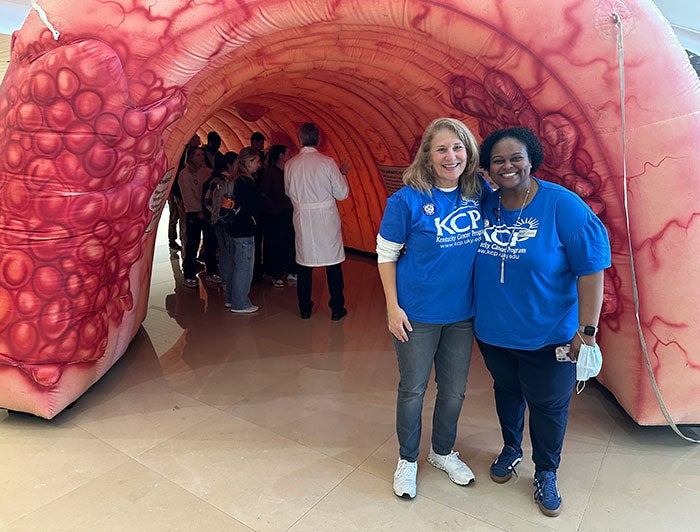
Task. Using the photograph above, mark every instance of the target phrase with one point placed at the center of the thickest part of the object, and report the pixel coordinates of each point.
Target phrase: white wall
(13, 13)
(684, 17)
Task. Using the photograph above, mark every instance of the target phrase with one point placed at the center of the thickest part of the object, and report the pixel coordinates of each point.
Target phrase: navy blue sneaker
(546, 493)
(504, 466)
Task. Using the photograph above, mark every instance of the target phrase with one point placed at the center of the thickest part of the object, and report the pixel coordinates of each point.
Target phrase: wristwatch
(588, 330)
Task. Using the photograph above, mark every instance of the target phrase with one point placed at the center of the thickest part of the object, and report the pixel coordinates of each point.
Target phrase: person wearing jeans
(248, 204)
(443, 345)
(244, 262)
(426, 248)
(219, 204)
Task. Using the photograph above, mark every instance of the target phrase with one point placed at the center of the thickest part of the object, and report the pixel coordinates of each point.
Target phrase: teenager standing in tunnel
(278, 244)
(314, 182)
(219, 208)
(175, 204)
(192, 180)
(214, 156)
(257, 144)
(248, 206)
(426, 248)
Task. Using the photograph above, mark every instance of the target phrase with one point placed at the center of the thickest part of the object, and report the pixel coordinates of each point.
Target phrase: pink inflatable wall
(93, 121)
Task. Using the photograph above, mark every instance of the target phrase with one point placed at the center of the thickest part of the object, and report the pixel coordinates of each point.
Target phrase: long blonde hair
(246, 155)
(420, 173)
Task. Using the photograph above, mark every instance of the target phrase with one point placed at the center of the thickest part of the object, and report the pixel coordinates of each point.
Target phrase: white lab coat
(313, 182)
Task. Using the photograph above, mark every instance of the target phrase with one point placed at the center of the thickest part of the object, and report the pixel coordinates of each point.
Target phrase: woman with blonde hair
(248, 204)
(426, 247)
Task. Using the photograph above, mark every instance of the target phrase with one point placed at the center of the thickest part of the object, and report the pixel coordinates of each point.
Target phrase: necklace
(445, 193)
(517, 223)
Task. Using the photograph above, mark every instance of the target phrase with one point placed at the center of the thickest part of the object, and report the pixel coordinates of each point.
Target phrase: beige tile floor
(213, 422)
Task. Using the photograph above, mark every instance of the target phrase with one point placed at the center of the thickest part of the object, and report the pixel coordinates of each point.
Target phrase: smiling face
(510, 165)
(448, 158)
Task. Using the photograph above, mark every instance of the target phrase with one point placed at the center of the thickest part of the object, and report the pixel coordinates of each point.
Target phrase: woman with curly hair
(538, 286)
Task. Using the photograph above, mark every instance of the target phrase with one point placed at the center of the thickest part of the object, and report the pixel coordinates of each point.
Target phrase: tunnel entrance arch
(96, 119)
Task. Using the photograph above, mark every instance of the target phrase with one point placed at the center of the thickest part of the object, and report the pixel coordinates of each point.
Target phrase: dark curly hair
(532, 144)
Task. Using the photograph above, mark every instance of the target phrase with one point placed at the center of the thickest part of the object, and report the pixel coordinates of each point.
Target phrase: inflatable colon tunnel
(98, 102)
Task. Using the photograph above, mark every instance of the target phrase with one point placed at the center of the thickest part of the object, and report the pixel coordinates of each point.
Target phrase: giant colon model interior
(91, 125)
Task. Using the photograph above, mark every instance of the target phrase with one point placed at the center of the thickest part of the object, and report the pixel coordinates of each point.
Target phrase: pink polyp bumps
(78, 166)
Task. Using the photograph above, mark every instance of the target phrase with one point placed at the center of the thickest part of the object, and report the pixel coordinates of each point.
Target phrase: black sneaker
(504, 466)
(339, 314)
(546, 493)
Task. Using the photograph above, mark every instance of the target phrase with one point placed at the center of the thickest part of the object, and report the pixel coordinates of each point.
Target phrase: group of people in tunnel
(513, 262)
(519, 269)
(260, 213)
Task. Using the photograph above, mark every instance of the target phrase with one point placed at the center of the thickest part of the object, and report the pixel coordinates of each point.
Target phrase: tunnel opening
(97, 119)
(371, 89)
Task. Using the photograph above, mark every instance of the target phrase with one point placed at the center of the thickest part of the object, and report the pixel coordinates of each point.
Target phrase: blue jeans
(243, 261)
(226, 254)
(534, 378)
(449, 347)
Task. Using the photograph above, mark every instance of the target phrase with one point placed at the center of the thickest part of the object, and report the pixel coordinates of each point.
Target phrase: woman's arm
(397, 319)
(590, 301)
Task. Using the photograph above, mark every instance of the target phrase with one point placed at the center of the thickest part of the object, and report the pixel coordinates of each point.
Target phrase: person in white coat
(314, 182)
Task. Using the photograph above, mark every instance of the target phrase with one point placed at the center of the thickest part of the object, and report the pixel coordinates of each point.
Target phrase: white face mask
(588, 364)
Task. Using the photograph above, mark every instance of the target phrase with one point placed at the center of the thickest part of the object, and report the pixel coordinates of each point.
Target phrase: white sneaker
(291, 277)
(405, 478)
(457, 470)
(249, 310)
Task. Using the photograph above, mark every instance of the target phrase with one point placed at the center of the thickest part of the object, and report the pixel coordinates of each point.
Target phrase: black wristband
(588, 330)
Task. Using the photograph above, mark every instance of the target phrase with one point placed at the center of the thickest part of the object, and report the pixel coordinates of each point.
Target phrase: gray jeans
(449, 347)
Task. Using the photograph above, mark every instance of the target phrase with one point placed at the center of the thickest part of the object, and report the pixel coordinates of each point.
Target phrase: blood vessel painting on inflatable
(97, 103)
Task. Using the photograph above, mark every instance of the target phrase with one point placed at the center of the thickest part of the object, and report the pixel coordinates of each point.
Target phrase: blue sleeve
(396, 222)
(583, 235)
(486, 188)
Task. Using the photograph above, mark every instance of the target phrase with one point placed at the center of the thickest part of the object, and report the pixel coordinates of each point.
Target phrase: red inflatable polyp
(93, 122)
(79, 168)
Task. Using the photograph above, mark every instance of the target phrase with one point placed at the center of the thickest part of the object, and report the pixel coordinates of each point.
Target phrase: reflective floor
(213, 421)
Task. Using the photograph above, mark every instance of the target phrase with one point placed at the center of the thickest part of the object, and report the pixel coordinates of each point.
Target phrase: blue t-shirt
(557, 239)
(442, 231)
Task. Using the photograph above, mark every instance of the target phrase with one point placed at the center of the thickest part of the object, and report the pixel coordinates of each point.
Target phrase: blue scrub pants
(534, 378)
